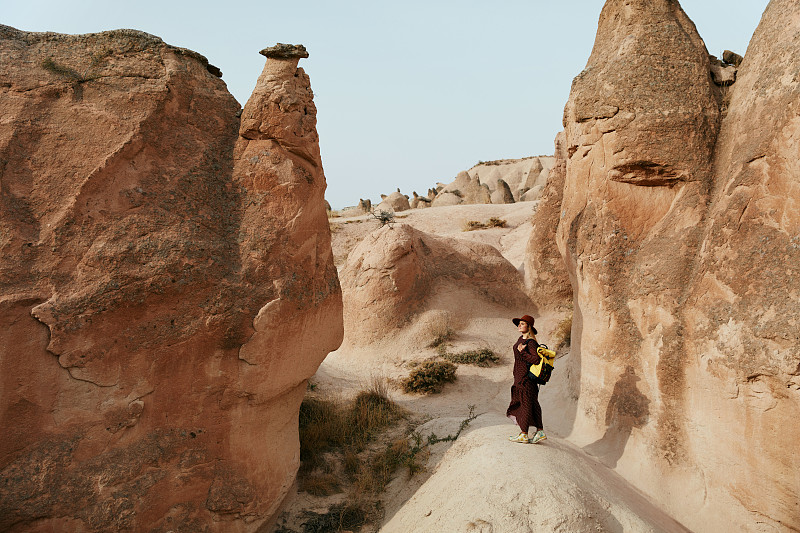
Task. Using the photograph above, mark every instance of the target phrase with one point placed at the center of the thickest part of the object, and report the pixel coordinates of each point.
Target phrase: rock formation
(419, 202)
(466, 189)
(521, 175)
(502, 193)
(516, 488)
(395, 202)
(680, 239)
(166, 285)
(397, 271)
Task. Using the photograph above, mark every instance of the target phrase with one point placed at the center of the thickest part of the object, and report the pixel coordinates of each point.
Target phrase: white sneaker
(538, 437)
(522, 437)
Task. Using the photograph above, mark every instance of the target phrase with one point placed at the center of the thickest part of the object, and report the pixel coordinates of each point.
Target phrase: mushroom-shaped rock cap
(285, 51)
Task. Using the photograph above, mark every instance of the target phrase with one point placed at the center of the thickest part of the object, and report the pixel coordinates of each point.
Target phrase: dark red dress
(524, 409)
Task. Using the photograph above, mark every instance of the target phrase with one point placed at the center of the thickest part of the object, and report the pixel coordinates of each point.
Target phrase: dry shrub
(483, 357)
(563, 332)
(471, 225)
(328, 423)
(437, 325)
(320, 484)
(348, 516)
(430, 377)
(351, 463)
(375, 474)
(494, 222)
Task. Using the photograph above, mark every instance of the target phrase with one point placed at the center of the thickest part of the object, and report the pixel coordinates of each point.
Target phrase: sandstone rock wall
(166, 285)
(679, 230)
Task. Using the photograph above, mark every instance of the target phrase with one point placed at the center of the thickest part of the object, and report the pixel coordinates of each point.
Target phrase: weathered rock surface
(546, 276)
(742, 315)
(396, 271)
(166, 285)
(681, 241)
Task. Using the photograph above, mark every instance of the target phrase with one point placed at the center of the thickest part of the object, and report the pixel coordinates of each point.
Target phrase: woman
(524, 409)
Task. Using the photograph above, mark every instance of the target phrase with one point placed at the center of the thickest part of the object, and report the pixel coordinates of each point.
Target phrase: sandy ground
(586, 496)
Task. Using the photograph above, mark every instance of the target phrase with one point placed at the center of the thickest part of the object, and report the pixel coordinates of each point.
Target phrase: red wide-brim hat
(525, 318)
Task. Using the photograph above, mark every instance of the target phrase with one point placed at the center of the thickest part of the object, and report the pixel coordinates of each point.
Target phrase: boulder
(395, 202)
(419, 202)
(722, 74)
(167, 285)
(447, 198)
(732, 58)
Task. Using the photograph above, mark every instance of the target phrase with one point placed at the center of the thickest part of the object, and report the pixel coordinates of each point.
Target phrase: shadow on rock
(627, 409)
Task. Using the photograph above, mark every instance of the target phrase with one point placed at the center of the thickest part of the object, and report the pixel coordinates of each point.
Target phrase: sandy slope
(484, 482)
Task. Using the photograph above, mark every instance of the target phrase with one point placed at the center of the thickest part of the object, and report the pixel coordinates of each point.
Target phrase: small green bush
(430, 377)
(483, 357)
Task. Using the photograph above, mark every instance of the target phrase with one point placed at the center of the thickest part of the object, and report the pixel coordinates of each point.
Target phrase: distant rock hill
(503, 181)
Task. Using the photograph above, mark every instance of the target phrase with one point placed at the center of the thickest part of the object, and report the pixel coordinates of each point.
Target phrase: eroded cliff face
(679, 230)
(166, 285)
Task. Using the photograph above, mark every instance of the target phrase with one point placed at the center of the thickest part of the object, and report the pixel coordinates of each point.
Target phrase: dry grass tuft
(472, 225)
(348, 516)
(320, 484)
(326, 424)
(563, 333)
(483, 357)
(430, 377)
(494, 222)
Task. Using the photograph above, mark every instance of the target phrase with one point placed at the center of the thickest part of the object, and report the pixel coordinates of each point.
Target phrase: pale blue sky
(408, 93)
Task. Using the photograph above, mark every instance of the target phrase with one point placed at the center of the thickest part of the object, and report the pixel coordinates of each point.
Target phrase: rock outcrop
(166, 285)
(397, 271)
(680, 238)
(515, 488)
(502, 193)
(467, 190)
(395, 202)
